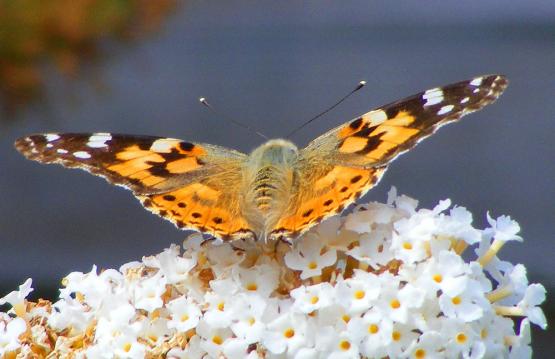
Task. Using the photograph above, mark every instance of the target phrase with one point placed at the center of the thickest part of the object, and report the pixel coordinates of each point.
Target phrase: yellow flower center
(359, 294)
(437, 278)
(184, 318)
(80, 297)
(407, 245)
(252, 287)
(126, 347)
(344, 345)
(251, 321)
(396, 336)
(461, 338)
(221, 306)
(456, 300)
(346, 318)
(395, 304)
(314, 299)
(483, 333)
(420, 353)
(312, 265)
(153, 337)
(216, 339)
(289, 333)
(373, 329)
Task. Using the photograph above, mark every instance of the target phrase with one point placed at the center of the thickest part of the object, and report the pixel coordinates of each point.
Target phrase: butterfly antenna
(359, 86)
(209, 106)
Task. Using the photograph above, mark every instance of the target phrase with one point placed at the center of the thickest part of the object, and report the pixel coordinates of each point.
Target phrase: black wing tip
(497, 82)
(500, 82)
(27, 146)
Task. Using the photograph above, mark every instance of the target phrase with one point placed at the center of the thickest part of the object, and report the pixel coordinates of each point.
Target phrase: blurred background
(139, 66)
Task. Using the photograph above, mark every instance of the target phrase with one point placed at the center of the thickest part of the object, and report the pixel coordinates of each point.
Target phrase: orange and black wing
(344, 163)
(195, 186)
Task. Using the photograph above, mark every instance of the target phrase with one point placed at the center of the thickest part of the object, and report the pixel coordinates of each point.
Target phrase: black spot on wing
(393, 111)
(173, 155)
(186, 146)
(365, 131)
(355, 125)
(372, 143)
(158, 169)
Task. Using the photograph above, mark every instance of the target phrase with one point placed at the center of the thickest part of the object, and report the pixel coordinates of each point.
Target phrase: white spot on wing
(82, 154)
(376, 117)
(61, 150)
(445, 109)
(52, 137)
(98, 140)
(465, 100)
(49, 145)
(163, 145)
(477, 81)
(433, 96)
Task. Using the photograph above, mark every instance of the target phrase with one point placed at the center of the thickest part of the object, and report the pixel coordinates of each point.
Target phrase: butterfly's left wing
(344, 163)
(195, 186)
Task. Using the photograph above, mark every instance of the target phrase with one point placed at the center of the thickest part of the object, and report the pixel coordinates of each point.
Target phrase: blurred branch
(66, 34)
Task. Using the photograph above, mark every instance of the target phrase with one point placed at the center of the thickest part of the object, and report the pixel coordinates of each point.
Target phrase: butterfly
(278, 191)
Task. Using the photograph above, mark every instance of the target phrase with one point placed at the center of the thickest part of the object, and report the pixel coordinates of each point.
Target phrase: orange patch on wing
(183, 165)
(403, 118)
(351, 128)
(152, 180)
(196, 151)
(395, 134)
(137, 164)
(196, 207)
(333, 192)
(353, 144)
(132, 152)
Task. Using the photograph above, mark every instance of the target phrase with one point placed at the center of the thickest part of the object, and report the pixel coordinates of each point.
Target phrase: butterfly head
(275, 152)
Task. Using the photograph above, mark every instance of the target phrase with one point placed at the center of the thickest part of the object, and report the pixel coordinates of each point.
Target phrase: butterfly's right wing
(344, 163)
(195, 186)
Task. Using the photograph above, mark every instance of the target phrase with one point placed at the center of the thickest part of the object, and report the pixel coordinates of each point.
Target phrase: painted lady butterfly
(276, 192)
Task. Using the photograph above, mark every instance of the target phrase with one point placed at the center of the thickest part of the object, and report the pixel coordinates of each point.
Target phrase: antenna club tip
(202, 99)
(362, 83)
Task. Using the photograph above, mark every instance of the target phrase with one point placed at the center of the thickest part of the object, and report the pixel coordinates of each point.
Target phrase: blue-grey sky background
(272, 65)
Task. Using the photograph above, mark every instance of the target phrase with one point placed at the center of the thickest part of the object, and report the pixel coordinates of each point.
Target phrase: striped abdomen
(265, 188)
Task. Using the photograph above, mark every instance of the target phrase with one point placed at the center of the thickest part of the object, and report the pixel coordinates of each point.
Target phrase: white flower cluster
(387, 280)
